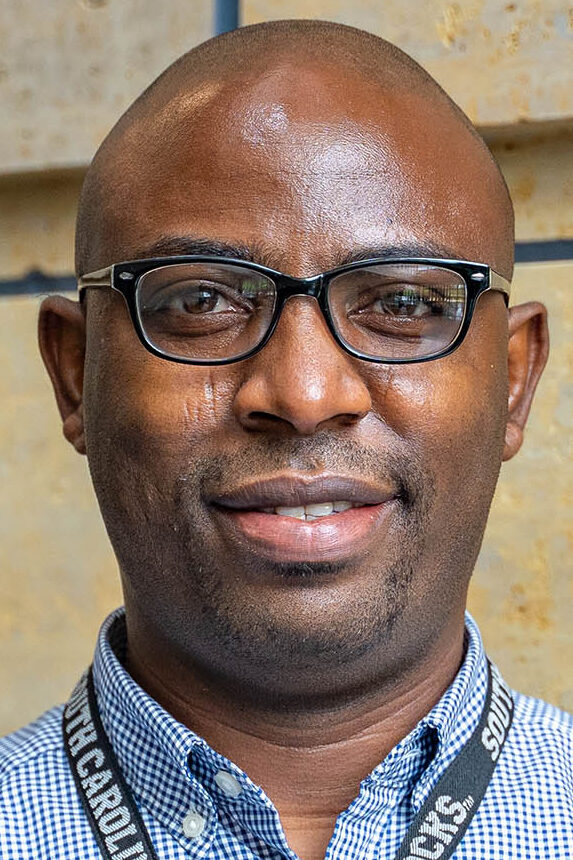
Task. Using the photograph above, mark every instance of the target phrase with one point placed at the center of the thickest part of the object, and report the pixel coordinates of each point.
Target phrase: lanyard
(434, 834)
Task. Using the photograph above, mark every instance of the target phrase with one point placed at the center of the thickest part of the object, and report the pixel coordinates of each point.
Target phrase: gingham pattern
(527, 811)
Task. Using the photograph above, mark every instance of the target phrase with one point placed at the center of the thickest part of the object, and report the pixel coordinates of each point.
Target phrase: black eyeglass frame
(124, 278)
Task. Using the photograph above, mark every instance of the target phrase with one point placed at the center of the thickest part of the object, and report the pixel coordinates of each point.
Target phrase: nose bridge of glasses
(287, 286)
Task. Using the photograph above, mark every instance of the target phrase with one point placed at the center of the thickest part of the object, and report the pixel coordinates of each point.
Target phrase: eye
(200, 300)
(197, 298)
(399, 301)
(403, 302)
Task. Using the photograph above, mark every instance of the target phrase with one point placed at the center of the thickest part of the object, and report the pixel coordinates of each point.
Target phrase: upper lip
(296, 490)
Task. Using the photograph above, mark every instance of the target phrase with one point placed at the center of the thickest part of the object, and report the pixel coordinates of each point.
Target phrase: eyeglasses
(213, 310)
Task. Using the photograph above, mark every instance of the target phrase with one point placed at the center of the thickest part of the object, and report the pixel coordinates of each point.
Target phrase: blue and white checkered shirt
(182, 785)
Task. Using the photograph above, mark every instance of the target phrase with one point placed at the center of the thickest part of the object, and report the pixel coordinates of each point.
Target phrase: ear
(62, 339)
(527, 355)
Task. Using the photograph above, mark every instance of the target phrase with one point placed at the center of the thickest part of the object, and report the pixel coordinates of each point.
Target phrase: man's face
(306, 174)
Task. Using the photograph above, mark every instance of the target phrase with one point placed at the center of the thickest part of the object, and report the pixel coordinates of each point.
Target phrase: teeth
(310, 512)
(320, 510)
(297, 513)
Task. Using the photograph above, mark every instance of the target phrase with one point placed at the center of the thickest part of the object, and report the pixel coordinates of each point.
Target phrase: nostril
(350, 418)
(267, 421)
(265, 416)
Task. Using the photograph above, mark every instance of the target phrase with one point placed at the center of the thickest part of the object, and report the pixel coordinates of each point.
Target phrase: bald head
(292, 79)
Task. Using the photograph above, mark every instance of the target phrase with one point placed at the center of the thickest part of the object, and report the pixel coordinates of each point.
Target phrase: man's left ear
(527, 356)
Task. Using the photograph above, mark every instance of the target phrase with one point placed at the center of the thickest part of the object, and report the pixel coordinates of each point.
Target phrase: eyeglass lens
(398, 311)
(213, 311)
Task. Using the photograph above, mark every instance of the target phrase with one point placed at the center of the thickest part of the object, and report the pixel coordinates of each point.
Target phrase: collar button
(193, 824)
(227, 783)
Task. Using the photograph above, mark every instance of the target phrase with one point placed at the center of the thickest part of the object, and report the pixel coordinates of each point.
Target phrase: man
(295, 475)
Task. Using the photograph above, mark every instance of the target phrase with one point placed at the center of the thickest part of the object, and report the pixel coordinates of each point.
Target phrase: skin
(281, 663)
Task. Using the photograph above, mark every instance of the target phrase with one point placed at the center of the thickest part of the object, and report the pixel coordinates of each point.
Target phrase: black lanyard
(435, 832)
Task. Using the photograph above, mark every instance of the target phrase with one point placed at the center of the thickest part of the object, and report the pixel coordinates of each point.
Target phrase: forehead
(309, 160)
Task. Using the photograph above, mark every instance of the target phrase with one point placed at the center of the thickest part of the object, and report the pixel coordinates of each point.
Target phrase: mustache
(220, 472)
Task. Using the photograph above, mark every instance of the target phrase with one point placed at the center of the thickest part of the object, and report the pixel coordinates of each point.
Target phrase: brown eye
(403, 303)
(194, 298)
(201, 301)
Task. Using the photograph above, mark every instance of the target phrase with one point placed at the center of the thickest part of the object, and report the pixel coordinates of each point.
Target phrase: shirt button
(193, 824)
(227, 783)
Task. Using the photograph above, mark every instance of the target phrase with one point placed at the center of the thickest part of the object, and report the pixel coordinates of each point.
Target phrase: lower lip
(287, 539)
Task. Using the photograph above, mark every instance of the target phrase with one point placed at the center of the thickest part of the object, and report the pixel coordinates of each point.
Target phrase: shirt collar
(171, 769)
(420, 758)
(455, 716)
(464, 699)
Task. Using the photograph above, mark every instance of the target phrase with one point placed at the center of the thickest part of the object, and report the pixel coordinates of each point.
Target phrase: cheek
(451, 412)
(448, 403)
(154, 408)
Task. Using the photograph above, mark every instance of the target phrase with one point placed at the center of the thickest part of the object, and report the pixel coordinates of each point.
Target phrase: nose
(301, 380)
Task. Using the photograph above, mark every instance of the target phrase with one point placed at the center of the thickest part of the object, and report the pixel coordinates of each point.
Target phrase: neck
(309, 762)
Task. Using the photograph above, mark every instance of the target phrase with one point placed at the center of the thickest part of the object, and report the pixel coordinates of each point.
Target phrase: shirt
(197, 804)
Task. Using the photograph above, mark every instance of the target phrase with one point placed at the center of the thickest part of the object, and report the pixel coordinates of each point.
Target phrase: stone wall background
(67, 71)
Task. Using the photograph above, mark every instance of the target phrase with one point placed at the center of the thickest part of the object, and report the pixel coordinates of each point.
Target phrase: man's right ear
(62, 339)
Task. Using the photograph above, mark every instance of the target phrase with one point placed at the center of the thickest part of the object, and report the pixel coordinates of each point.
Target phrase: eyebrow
(174, 246)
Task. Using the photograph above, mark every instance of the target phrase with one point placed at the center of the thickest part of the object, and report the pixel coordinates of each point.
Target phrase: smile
(293, 518)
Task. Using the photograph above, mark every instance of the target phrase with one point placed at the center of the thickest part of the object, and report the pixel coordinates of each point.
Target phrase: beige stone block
(37, 223)
(538, 169)
(502, 62)
(69, 68)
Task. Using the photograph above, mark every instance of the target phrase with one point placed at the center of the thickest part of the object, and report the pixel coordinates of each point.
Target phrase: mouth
(293, 518)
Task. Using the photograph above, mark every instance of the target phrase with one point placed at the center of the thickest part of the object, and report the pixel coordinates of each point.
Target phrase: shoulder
(34, 742)
(539, 723)
(40, 813)
(527, 810)
(538, 754)
(31, 759)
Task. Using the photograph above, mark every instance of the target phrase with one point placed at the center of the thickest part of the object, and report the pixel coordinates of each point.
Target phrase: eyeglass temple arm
(101, 279)
(496, 282)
